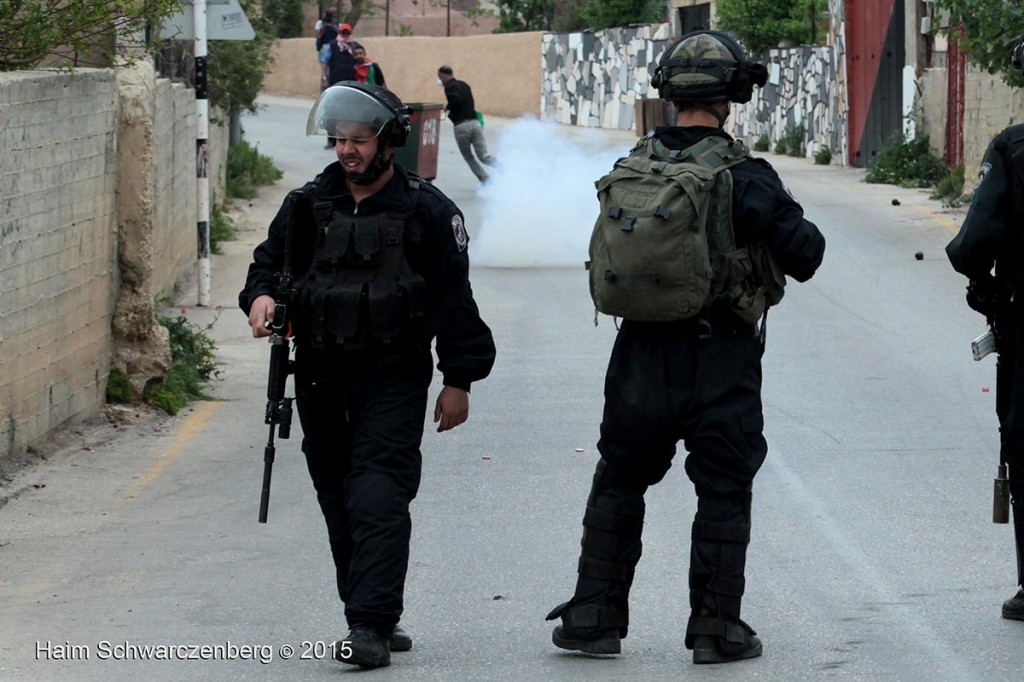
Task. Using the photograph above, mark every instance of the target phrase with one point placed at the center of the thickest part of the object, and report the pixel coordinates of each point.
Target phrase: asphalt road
(872, 555)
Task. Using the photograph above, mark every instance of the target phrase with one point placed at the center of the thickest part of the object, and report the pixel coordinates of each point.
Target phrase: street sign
(225, 20)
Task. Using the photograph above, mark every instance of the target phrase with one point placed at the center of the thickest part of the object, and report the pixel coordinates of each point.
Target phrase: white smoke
(540, 205)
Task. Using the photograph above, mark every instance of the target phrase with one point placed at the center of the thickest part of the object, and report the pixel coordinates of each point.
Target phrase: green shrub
(247, 169)
(823, 156)
(795, 140)
(780, 146)
(222, 228)
(119, 388)
(907, 164)
(950, 187)
(193, 363)
(762, 144)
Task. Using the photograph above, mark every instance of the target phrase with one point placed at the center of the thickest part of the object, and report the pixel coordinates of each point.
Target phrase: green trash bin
(420, 151)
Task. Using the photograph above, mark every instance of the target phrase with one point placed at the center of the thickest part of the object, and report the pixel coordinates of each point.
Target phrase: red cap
(344, 27)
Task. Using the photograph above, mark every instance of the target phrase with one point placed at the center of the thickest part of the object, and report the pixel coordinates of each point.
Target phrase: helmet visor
(348, 113)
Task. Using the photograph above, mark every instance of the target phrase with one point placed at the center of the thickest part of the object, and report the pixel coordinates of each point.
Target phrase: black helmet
(1017, 56)
(363, 104)
(707, 66)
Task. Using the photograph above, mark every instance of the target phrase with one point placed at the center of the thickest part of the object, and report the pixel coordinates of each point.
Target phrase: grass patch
(823, 156)
(762, 144)
(119, 388)
(950, 188)
(247, 169)
(193, 363)
(795, 141)
(222, 228)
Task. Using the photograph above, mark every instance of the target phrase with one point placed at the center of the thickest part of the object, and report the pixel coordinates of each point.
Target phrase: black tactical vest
(360, 290)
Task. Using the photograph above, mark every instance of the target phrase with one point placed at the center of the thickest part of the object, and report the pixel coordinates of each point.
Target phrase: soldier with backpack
(693, 244)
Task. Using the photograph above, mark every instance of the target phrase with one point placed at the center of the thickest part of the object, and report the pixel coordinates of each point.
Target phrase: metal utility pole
(202, 153)
(198, 21)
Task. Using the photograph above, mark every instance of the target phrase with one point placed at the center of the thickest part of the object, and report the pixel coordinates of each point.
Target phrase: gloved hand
(987, 296)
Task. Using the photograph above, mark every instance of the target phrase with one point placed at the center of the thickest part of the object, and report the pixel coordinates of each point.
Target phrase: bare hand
(452, 408)
(261, 314)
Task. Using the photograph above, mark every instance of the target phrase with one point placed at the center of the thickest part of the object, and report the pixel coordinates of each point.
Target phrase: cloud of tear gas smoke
(540, 206)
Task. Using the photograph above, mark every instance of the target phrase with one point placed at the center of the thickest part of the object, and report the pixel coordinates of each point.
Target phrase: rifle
(279, 408)
(992, 298)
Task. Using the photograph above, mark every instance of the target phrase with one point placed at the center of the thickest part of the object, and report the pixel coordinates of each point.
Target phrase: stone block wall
(592, 79)
(97, 216)
(57, 248)
(175, 243)
(804, 90)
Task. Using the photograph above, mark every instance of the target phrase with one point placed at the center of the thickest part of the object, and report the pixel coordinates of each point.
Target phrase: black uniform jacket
(460, 101)
(762, 208)
(992, 233)
(436, 248)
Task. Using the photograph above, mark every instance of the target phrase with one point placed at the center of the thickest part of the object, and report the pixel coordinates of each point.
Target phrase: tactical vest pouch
(384, 313)
(343, 310)
(367, 242)
(335, 239)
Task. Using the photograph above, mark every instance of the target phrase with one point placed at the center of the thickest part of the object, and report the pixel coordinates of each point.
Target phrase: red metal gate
(875, 57)
(956, 68)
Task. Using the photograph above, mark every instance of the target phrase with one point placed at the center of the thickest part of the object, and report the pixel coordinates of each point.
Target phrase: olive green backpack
(663, 246)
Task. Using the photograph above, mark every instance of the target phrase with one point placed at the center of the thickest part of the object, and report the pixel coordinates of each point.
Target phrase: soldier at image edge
(989, 251)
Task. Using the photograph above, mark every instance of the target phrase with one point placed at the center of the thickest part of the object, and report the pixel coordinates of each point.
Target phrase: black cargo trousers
(1010, 410)
(362, 416)
(668, 382)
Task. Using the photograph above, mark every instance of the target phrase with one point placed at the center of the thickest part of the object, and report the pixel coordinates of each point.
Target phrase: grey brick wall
(57, 247)
(59, 278)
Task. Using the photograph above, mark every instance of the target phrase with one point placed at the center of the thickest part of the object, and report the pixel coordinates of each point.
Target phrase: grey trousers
(469, 136)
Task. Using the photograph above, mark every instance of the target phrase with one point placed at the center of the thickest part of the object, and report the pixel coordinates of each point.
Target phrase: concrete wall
(504, 70)
(98, 200)
(57, 246)
(989, 106)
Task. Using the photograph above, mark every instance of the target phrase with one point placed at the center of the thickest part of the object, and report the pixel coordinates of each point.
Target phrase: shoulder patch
(982, 172)
(459, 230)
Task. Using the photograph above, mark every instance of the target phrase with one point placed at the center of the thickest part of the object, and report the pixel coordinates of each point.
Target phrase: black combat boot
(589, 628)
(364, 646)
(597, 617)
(400, 640)
(718, 549)
(1013, 608)
(717, 640)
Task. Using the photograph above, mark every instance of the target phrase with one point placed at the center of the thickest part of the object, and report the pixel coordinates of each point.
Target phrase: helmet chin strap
(378, 166)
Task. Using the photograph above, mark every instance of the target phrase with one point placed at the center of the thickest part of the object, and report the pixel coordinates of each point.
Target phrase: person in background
(326, 31)
(367, 70)
(340, 64)
(469, 134)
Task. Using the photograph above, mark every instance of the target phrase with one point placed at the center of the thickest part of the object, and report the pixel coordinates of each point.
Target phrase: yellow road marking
(945, 222)
(190, 428)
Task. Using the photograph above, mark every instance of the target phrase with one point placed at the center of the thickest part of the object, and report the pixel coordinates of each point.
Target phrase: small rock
(919, 255)
(895, 202)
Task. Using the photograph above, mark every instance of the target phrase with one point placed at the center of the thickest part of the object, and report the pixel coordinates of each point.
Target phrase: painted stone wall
(592, 79)
(803, 93)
